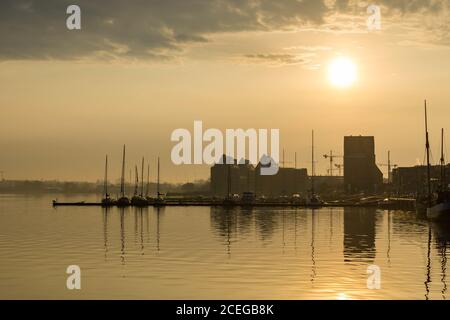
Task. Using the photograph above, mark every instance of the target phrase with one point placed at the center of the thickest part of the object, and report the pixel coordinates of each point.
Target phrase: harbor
(238, 183)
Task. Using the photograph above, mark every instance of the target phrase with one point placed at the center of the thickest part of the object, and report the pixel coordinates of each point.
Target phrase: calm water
(212, 253)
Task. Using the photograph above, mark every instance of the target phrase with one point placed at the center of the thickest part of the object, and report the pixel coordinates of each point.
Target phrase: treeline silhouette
(200, 187)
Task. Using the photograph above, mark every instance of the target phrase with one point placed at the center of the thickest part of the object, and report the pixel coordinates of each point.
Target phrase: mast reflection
(105, 212)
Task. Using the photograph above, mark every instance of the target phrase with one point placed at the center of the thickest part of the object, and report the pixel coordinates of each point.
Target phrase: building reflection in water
(359, 234)
(224, 221)
(284, 228)
(228, 222)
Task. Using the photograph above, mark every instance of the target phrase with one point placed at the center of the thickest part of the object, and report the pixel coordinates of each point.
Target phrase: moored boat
(438, 204)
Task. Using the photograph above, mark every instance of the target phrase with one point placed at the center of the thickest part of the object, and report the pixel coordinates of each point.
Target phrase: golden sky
(136, 71)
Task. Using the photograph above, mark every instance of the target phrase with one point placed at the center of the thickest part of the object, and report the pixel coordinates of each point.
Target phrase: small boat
(123, 202)
(248, 198)
(441, 209)
(314, 201)
(108, 202)
(231, 200)
(297, 199)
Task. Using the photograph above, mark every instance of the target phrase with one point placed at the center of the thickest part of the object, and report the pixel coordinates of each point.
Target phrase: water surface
(217, 253)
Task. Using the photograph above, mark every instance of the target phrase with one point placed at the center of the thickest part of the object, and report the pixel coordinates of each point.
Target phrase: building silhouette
(241, 176)
(286, 182)
(361, 173)
(413, 180)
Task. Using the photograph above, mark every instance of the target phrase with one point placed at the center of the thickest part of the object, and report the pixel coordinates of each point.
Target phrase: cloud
(165, 29)
(275, 58)
(36, 29)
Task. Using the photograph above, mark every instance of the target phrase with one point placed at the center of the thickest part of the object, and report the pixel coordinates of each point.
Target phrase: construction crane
(339, 166)
(331, 156)
(389, 166)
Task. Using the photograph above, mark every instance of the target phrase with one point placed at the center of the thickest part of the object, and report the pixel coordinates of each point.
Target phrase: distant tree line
(200, 187)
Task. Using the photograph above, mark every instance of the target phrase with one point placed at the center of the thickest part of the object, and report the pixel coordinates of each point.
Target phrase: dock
(392, 204)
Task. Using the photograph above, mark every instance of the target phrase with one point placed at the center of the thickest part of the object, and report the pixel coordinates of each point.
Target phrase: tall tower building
(361, 173)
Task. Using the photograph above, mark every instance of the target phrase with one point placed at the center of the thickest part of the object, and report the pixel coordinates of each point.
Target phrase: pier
(393, 203)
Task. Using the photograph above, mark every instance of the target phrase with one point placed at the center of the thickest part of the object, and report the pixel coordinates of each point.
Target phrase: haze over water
(216, 253)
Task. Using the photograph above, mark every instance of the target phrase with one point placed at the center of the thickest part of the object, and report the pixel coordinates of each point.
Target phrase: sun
(342, 72)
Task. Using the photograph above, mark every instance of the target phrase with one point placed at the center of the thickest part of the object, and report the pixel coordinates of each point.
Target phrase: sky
(137, 70)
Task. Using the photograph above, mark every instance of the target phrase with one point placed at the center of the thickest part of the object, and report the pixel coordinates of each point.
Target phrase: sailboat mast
(122, 179)
(157, 185)
(389, 166)
(443, 186)
(136, 181)
(106, 178)
(427, 145)
(312, 164)
(142, 178)
(148, 180)
(295, 160)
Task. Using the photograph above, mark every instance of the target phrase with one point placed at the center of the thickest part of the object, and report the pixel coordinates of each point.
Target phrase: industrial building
(361, 173)
(412, 180)
(286, 182)
(244, 177)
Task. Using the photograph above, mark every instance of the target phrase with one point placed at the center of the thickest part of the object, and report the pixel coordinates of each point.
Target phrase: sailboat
(440, 202)
(437, 203)
(138, 198)
(313, 200)
(159, 201)
(123, 200)
(107, 200)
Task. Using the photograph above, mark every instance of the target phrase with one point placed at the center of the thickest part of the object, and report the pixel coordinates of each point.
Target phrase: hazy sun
(342, 72)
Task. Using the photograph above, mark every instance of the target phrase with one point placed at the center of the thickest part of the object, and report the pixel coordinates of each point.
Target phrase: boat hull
(439, 211)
